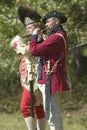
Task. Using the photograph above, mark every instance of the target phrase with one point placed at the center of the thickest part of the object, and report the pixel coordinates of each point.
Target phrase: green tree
(10, 26)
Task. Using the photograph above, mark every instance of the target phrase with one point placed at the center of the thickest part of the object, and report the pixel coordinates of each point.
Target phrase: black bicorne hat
(54, 14)
(27, 15)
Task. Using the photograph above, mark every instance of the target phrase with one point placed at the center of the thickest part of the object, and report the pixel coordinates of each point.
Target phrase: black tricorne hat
(55, 14)
(27, 15)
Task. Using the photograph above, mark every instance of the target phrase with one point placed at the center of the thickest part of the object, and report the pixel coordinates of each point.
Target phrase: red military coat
(23, 71)
(51, 49)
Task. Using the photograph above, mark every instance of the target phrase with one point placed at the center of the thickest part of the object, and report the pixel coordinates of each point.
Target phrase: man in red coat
(25, 77)
(54, 50)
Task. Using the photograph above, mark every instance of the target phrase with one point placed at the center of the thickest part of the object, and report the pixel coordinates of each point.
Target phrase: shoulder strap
(62, 53)
(63, 40)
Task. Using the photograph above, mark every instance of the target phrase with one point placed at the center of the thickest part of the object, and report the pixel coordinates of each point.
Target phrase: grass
(73, 120)
(74, 124)
(11, 122)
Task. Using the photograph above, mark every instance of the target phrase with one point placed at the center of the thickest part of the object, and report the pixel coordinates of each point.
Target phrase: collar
(57, 29)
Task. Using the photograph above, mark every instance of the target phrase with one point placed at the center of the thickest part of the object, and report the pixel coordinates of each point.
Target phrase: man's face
(30, 28)
(52, 22)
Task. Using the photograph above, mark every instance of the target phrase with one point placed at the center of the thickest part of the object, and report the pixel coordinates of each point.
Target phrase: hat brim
(62, 17)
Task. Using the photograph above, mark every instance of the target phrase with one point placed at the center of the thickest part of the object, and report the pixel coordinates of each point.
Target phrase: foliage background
(76, 27)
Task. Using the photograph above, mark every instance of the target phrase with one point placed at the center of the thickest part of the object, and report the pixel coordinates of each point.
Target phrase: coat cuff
(33, 37)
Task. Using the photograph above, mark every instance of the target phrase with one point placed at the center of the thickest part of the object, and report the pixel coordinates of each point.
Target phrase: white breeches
(55, 119)
(33, 124)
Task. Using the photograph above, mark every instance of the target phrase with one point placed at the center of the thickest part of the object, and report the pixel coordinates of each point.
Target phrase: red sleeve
(48, 47)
